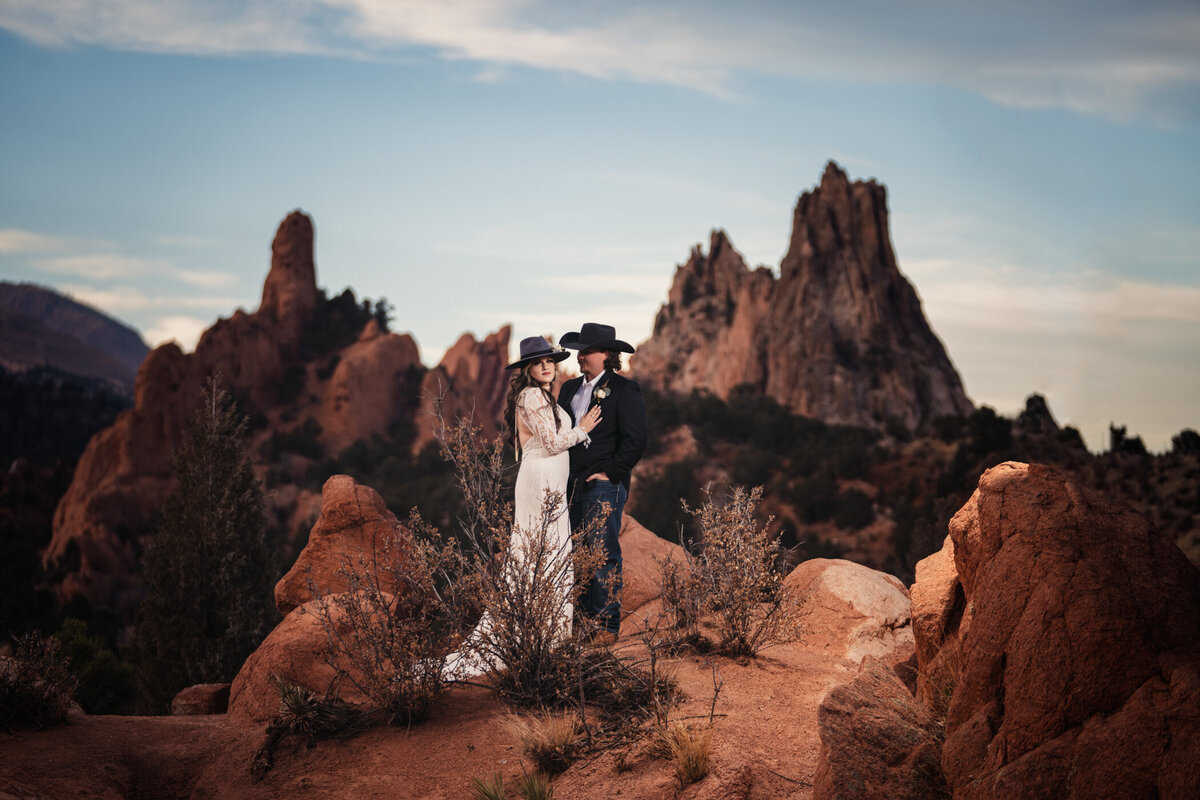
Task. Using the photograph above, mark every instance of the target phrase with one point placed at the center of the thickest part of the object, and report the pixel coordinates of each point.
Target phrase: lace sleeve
(537, 413)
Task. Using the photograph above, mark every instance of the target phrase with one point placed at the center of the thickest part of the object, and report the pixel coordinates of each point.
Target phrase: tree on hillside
(208, 572)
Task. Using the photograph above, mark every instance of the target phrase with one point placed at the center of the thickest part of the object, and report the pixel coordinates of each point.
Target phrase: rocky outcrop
(876, 742)
(642, 553)
(289, 296)
(839, 336)
(1066, 639)
(371, 387)
(872, 609)
(353, 518)
(202, 699)
(294, 652)
(354, 389)
(469, 382)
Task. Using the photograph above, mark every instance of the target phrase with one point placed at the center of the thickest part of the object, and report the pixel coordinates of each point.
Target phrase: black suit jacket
(620, 438)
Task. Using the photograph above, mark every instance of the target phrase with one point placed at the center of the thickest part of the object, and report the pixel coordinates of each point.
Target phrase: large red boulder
(295, 652)
(355, 525)
(642, 553)
(1075, 626)
(876, 741)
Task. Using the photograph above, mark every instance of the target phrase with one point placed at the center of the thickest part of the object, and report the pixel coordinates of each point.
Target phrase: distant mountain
(42, 328)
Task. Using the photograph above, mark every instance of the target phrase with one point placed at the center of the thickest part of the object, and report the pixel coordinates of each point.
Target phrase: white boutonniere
(601, 392)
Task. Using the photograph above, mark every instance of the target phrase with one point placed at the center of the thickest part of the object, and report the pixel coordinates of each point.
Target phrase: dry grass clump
(36, 687)
(550, 743)
(689, 748)
(733, 576)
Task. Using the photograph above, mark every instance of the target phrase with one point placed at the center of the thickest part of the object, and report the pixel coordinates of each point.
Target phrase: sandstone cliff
(296, 373)
(839, 336)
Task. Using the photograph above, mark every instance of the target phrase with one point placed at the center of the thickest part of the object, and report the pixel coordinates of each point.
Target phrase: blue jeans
(596, 603)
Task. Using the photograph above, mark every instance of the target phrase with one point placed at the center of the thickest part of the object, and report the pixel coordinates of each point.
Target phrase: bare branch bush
(36, 686)
(734, 576)
(400, 614)
(397, 633)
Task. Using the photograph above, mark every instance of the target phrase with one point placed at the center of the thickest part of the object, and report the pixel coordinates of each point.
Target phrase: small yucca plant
(493, 790)
(535, 786)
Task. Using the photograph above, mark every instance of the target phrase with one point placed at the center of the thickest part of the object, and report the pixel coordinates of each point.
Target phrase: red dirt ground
(764, 747)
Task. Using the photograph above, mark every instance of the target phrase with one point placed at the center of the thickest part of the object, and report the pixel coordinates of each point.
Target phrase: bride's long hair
(519, 382)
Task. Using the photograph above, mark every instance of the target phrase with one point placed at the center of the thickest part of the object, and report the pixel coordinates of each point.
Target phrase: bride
(541, 431)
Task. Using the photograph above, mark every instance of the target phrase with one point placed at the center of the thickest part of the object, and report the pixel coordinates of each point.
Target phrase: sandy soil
(764, 747)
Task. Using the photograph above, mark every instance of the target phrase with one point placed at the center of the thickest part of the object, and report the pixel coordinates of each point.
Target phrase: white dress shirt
(583, 397)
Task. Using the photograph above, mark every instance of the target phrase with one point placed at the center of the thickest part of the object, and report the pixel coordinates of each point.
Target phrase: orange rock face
(295, 652)
(1077, 631)
(470, 381)
(872, 609)
(374, 383)
(839, 336)
(875, 743)
(354, 524)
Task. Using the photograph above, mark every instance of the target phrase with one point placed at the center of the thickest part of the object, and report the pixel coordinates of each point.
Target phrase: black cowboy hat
(594, 336)
(535, 347)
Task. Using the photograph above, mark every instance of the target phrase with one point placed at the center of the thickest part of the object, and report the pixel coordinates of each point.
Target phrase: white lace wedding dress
(544, 470)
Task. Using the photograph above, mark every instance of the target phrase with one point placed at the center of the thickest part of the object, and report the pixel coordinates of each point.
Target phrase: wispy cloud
(1115, 60)
(100, 266)
(121, 299)
(13, 240)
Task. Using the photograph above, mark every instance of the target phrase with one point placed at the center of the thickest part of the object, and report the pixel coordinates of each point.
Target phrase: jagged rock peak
(840, 335)
(290, 291)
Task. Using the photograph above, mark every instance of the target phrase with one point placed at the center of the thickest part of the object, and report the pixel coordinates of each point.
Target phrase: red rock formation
(294, 651)
(201, 700)
(471, 382)
(875, 741)
(1070, 633)
(839, 336)
(872, 606)
(369, 389)
(641, 554)
(290, 292)
(126, 470)
(352, 518)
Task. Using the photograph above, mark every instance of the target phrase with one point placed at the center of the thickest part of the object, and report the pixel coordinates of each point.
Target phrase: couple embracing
(583, 447)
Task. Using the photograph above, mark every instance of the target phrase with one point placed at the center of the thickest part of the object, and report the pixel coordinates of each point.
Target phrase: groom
(600, 470)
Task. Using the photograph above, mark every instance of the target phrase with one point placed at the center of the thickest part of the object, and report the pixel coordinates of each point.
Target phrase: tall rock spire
(840, 335)
(290, 291)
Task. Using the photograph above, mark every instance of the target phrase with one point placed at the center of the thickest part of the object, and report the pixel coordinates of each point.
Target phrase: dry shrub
(944, 674)
(36, 687)
(523, 639)
(550, 743)
(735, 576)
(388, 633)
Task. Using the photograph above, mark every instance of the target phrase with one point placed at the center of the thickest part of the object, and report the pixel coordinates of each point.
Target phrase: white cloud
(207, 279)
(1112, 61)
(13, 240)
(100, 266)
(112, 300)
(185, 331)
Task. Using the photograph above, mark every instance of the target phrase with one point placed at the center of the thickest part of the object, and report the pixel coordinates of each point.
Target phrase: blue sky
(544, 164)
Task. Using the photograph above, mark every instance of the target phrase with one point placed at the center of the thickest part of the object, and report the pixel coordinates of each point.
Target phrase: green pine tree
(208, 572)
